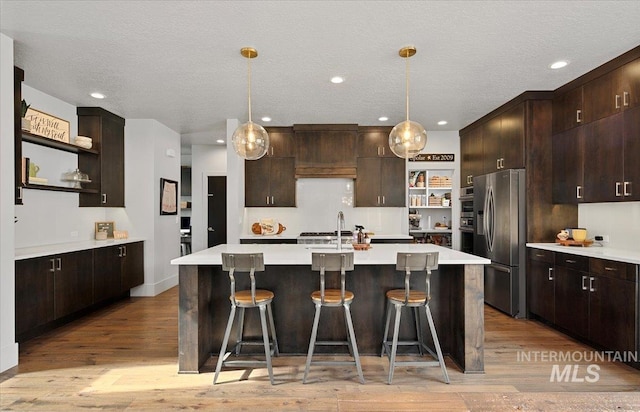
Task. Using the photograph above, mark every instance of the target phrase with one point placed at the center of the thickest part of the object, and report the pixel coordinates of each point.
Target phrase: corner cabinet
(106, 170)
(270, 181)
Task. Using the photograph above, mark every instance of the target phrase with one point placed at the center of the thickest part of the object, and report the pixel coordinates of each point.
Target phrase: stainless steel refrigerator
(500, 235)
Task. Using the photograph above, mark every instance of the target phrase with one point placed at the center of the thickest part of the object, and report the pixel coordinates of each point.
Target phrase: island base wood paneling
(457, 307)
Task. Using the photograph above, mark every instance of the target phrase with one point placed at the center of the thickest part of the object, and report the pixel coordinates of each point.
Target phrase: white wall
(8, 345)
(152, 151)
(619, 220)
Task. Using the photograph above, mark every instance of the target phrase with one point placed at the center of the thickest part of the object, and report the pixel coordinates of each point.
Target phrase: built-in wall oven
(466, 219)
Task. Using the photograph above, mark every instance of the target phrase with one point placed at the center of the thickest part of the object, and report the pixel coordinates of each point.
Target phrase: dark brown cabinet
(471, 156)
(270, 182)
(631, 151)
(117, 269)
(34, 294)
(593, 299)
(73, 282)
(541, 290)
(18, 78)
(503, 140)
(106, 170)
(280, 142)
(380, 182)
(572, 294)
(613, 92)
(568, 179)
(567, 110)
(373, 141)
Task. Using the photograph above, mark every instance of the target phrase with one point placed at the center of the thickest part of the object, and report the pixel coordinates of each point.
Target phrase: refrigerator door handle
(489, 218)
(500, 268)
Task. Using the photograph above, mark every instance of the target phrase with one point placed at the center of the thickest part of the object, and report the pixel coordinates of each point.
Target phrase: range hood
(325, 150)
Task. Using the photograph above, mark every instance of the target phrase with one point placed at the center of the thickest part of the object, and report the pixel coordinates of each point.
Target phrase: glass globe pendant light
(407, 138)
(250, 140)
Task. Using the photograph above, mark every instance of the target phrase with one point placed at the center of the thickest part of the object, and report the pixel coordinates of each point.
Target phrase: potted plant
(26, 123)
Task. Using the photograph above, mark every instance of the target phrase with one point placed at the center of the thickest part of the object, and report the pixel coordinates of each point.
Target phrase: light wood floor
(124, 358)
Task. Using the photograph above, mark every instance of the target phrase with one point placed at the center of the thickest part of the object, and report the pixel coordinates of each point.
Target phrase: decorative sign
(48, 126)
(106, 228)
(433, 157)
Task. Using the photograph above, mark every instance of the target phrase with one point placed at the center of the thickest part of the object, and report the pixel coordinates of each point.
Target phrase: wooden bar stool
(254, 298)
(332, 262)
(400, 298)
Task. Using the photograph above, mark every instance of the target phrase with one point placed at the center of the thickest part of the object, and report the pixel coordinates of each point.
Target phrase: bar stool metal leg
(265, 339)
(240, 330)
(312, 342)
(352, 341)
(276, 350)
(225, 340)
(436, 343)
(386, 328)
(416, 320)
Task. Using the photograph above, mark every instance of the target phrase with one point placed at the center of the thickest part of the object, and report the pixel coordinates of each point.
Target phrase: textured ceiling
(179, 62)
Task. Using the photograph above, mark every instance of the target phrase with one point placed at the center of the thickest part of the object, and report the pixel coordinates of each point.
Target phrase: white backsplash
(621, 221)
(318, 204)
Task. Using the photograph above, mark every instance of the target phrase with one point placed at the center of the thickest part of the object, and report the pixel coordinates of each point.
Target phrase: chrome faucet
(340, 225)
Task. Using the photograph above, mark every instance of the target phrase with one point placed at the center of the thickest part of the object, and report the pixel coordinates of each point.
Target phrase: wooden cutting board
(571, 242)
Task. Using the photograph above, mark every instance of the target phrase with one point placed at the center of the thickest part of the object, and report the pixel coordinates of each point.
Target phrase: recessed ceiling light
(383, 118)
(337, 79)
(442, 122)
(219, 141)
(97, 95)
(559, 64)
(266, 119)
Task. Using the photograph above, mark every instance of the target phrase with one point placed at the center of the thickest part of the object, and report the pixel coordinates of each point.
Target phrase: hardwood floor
(125, 358)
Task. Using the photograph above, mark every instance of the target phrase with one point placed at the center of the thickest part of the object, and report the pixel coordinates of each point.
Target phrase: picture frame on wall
(168, 197)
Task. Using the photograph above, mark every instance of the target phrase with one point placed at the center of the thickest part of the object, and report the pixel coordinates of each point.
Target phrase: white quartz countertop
(58, 248)
(291, 236)
(391, 236)
(620, 255)
(299, 254)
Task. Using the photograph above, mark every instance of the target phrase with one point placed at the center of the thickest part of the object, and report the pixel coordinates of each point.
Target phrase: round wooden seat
(415, 296)
(262, 296)
(332, 296)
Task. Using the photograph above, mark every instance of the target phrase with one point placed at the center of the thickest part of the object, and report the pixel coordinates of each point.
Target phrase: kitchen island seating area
(457, 301)
(336, 298)
(414, 299)
(249, 263)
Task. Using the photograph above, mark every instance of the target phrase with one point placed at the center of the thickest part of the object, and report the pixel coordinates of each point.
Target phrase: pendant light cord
(407, 81)
(249, 85)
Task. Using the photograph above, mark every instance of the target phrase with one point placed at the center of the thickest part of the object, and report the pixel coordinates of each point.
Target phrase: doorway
(216, 210)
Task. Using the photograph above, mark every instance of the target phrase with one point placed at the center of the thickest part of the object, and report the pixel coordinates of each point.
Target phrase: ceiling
(179, 62)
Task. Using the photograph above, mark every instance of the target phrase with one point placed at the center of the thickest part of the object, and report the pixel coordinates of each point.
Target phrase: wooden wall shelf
(57, 188)
(43, 141)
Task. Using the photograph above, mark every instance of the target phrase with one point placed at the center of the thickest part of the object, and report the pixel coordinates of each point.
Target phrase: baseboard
(154, 289)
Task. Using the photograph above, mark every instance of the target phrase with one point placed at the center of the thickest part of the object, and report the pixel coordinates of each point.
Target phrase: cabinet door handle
(618, 194)
(570, 261)
(550, 273)
(378, 201)
(124, 251)
(627, 189)
(497, 163)
(625, 99)
(20, 192)
(383, 201)
(59, 264)
(267, 201)
(383, 151)
(119, 251)
(578, 192)
(617, 101)
(592, 280)
(272, 151)
(104, 198)
(584, 286)
(610, 269)
(53, 265)
(273, 202)
(578, 116)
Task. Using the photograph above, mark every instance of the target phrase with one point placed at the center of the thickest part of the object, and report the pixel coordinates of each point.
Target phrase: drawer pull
(578, 116)
(591, 282)
(570, 261)
(550, 273)
(539, 255)
(584, 286)
(578, 192)
(610, 269)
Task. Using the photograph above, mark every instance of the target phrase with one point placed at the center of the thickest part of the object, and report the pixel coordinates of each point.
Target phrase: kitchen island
(457, 290)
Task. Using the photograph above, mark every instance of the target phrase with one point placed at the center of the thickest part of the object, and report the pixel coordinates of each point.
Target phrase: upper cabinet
(471, 163)
(107, 169)
(597, 160)
(270, 181)
(567, 110)
(503, 140)
(325, 150)
(373, 141)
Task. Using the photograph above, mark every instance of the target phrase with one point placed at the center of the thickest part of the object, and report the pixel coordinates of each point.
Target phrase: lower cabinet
(49, 290)
(593, 299)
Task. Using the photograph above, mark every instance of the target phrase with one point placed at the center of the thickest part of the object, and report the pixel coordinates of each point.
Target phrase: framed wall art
(168, 197)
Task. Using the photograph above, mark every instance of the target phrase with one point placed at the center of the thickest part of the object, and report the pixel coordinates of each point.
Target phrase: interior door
(217, 210)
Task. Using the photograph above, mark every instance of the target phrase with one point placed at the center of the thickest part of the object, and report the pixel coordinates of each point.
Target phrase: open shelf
(43, 141)
(57, 188)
